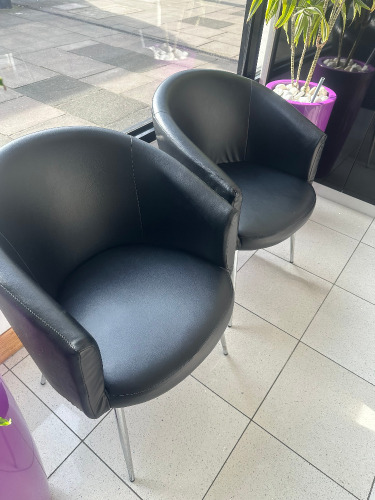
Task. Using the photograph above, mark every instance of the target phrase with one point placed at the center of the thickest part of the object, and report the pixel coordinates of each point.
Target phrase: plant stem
(304, 51)
(292, 50)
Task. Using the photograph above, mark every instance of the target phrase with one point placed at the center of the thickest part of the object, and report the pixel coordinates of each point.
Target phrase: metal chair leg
(224, 345)
(43, 379)
(292, 242)
(124, 439)
(234, 275)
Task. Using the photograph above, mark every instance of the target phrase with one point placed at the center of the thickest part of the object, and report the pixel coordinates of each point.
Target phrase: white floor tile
(280, 292)
(179, 442)
(344, 330)
(52, 438)
(318, 249)
(369, 237)
(4, 325)
(75, 419)
(16, 358)
(3, 369)
(243, 257)
(358, 276)
(326, 414)
(257, 352)
(340, 218)
(84, 477)
(263, 468)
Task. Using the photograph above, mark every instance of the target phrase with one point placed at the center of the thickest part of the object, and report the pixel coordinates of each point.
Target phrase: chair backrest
(212, 108)
(69, 191)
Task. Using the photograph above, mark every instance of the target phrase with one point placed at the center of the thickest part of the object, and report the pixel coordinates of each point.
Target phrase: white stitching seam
(38, 317)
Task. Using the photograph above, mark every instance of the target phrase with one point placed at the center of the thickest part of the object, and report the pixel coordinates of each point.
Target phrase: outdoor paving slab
(8, 20)
(8, 95)
(118, 80)
(4, 140)
(206, 22)
(116, 56)
(19, 73)
(221, 48)
(24, 42)
(56, 90)
(143, 93)
(131, 119)
(22, 113)
(66, 63)
(91, 30)
(101, 107)
(65, 120)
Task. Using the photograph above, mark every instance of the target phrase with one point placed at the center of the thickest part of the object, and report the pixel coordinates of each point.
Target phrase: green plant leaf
(4, 422)
(285, 28)
(343, 16)
(288, 8)
(253, 8)
(324, 28)
(272, 9)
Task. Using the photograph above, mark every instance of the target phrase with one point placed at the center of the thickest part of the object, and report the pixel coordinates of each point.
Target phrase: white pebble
(318, 99)
(294, 91)
(300, 94)
(278, 91)
(287, 96)
(289, 86)
(304, 99)
(280, 86)
(323, 91)
(324, 97)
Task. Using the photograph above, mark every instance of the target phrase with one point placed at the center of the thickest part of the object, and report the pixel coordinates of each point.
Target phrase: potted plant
(310, 21)
(350, 78)
(21, 472)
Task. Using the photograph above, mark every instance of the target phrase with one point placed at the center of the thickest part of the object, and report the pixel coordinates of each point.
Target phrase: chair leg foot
(124, 439)
(42, 379)
(233, 276)
(224, 345)
(292, 243)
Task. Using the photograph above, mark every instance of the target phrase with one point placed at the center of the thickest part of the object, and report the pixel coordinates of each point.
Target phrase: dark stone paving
(101, 107)
(206, 22)
(56, 90)
(116, 56)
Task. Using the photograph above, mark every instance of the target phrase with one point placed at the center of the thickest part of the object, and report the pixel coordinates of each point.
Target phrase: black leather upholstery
(115, 264)
(226, 128)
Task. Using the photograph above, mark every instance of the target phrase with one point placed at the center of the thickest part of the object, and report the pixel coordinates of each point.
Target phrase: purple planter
(318, 113)
(21, 472)
(350, 89)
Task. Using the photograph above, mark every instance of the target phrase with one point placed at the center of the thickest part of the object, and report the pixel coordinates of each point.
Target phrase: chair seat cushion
(274, 204)
(155, 313)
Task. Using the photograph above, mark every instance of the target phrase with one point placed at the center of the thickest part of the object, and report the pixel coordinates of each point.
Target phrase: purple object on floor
(22, 476)
(318, 113)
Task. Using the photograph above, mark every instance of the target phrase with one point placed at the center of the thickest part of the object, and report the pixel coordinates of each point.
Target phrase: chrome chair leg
(234, 275)
(292, 242)
(124, 439)
(224, 345)
(43, 379)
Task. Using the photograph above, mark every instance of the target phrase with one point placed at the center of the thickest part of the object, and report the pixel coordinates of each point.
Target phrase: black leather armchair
(115, 265)
(242, 139)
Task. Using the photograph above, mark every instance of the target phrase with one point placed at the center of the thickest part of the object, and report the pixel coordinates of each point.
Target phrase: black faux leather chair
(115, 266)
(239, 137)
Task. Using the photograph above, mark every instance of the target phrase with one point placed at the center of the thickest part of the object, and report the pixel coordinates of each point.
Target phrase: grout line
(18, 362)
(336, 231)
(354, 294)
(266, 320)
(367, 244)
(221, 468)
(55, 469)
(110, 468)
(221, 397)
(371, 489)
(343, 269)
(305, 460)
(337, 363)
(36, 395)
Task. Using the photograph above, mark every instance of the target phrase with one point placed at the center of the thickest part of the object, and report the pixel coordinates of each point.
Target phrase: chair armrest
(281, 137)
(173, 141)
(64, 351)
(179, 210)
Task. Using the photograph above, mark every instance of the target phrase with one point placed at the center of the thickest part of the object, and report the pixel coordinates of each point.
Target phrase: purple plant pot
(21, 472)
(350, 89)
(318, 113)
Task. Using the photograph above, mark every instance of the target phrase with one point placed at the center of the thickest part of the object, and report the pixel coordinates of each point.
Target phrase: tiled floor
(99, 62)
(288, 415)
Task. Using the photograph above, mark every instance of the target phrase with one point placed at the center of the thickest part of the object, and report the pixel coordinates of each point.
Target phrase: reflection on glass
(98, 62)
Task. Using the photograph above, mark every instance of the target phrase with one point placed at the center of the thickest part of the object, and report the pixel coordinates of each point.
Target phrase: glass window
(98, 62)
